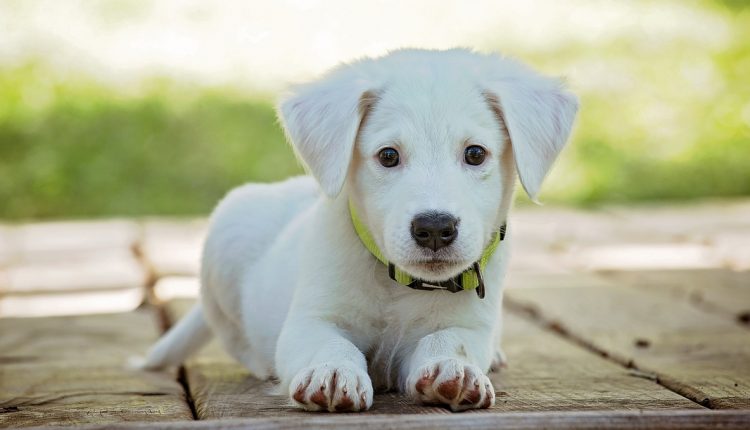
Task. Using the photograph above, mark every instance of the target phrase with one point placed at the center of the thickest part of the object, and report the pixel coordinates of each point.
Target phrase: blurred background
(136, 107)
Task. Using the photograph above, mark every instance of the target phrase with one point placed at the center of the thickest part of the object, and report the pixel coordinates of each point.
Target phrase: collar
(469, 279)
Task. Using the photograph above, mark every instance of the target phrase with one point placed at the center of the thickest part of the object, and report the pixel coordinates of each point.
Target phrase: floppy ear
(537, 114)
(321, 120)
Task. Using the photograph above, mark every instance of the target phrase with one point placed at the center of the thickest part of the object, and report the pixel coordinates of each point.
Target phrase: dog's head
(428, 144)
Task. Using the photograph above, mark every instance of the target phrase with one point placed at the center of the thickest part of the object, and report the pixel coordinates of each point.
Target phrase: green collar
(469, 279)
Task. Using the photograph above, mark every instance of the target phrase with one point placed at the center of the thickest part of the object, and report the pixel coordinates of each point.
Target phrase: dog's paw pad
(452, 383)
(332, 388)
(450, 389)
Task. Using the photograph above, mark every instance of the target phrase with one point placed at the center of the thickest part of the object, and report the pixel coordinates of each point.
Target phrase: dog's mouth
(435, 269)
(437, 264)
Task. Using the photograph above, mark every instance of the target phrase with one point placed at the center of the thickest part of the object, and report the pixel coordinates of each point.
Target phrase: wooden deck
(619, 318)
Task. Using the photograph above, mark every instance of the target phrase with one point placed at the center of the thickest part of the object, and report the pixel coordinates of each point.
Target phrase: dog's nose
(434, 230)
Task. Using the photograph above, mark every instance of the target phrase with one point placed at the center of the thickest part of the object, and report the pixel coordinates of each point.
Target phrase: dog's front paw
(331, 387)
(453, 383)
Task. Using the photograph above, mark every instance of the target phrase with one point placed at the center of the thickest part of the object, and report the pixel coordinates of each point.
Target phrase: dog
(383, 269)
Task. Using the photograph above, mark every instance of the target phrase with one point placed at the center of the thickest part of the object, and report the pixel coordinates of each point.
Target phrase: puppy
(384, 268)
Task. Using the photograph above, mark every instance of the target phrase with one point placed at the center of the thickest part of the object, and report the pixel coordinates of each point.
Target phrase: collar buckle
(453, 285)
(480, 285)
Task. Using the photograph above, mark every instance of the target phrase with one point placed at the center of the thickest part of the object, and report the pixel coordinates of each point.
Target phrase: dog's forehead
(432, 94)
(433, 97)
(435, 108)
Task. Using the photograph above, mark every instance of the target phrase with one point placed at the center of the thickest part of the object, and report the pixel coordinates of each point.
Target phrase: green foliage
(74, 150)
(663, 120)
(667, 122)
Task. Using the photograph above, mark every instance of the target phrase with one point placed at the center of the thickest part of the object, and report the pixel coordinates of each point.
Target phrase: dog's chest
(405, 318)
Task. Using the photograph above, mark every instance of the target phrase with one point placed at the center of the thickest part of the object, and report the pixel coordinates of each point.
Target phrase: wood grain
(546, 373)
(60, 268)
(722, 291)
(173, 248)
(699, 354)
(50, 241)
(108, 269)
(70, 303)
(549, 373)
(110, 280)
(71, 371)
(667, 420)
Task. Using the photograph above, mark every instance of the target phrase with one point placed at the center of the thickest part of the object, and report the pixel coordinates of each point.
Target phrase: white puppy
(416, 154)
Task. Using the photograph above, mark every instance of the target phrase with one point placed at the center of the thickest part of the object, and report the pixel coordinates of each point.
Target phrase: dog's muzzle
(469, 279)
(434, 230)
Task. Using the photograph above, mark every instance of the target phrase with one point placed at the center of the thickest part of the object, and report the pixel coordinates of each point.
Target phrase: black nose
(434, 229)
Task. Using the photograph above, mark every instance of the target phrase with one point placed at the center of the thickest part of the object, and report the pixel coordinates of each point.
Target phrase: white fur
(286, 283)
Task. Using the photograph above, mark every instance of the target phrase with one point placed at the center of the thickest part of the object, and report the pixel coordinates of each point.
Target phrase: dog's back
(244, 227)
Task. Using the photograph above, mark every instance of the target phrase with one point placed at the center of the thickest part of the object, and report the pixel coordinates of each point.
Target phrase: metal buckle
(453, 285)
(480, 285)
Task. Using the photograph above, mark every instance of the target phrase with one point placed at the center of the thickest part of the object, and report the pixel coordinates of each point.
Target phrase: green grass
(673, 123)
(90, 152)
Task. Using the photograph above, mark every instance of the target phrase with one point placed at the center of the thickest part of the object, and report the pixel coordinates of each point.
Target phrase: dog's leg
(499, 359)
(324, 369)
(448, 367)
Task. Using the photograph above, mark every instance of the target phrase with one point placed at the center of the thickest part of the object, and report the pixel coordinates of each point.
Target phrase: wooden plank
(522, 279)
(696, 222)
(721, 225)
(724, 292)
(173, 247)
(50, 241)
(666, 420)
(176, 287)
(4, 283)
(72, 303)
(560, 228)
(71, 371)
(103, 270)
(7, 246)
(562, 240)
(50, 266)
(549, 373)
(733, 247)
(546, 373)
(108, 281)
(701, 355)
(642, 256)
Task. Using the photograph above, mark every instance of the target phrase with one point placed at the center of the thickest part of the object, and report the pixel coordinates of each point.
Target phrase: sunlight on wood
(176, 287)
(71, 303)
(644, 257)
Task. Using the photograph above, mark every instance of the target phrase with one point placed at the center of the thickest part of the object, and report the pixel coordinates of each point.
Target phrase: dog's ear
(322, 120)
(537, 113)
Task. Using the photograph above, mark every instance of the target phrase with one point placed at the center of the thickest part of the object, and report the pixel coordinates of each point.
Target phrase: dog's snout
(434, 230)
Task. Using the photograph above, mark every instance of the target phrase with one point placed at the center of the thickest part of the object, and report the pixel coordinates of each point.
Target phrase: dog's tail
(177, 344)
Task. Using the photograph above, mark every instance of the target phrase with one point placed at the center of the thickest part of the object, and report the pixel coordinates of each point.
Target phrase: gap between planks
(163, 319)
(534, 315)
(165, 324)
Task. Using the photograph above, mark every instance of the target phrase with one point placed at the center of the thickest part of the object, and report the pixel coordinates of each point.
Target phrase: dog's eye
(388, 157)
(474, 155)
